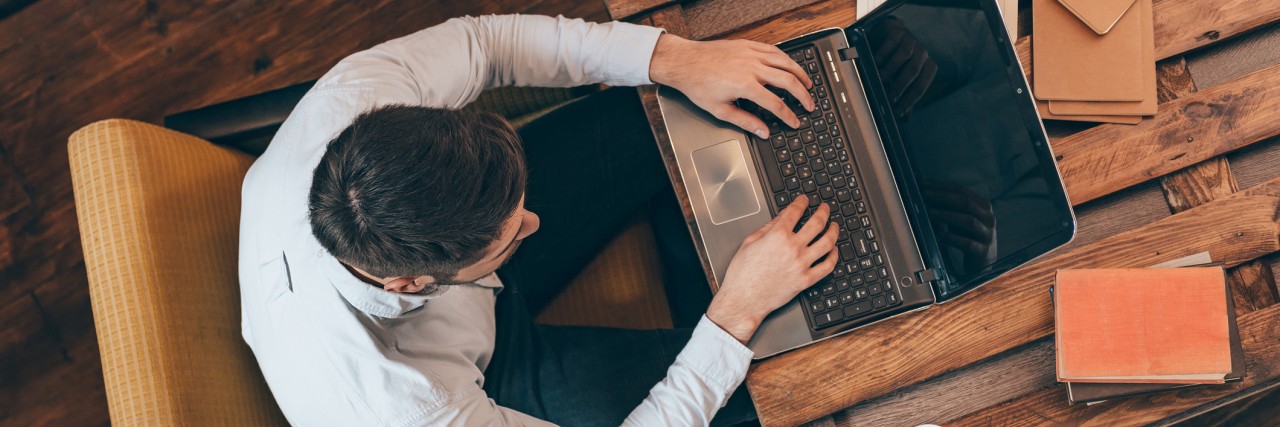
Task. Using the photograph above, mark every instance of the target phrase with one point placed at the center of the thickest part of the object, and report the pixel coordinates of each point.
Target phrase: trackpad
(725, 181)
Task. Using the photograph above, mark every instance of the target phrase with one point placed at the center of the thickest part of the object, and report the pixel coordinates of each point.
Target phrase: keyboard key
(775, 127)
(819, 126)
(807, 136)
(824, 140)
(877, 302)
(842, 285)
(839, 181)
(813, 293)
(849, 223)
(860, 294)
(809, 53)
(865, 220)
(843, 193)
(875, 247)
(861, 245)
(873, 289)
(816, 307)
(857, 194)
(891, 298)
(825, 103)
(828, 154)
(846, 252)
(878, 259)
(794, 143)
(805, 123)
(810, 186)
(804, 172)
(812, 151)
(846, 298)
(884, 272)
(848, 209)
(869, 276)
(781, 199)
(830, 203)
(862, 207)
(778, 141)
(822, 178)
(813, 202)
(812, 67)
(782, 155)
(828, 288)
(858, 309)
(832, 302)
(855, 280)
(844, 155)
(828, 318)
(799, 158)
(871, 235)
(887, 285)
(828, 193)
(848, 171)
(792, 182)
(788, 169)
(865, 264)
(833, 166)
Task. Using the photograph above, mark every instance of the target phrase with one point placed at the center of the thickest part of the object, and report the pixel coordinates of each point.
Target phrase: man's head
(435, 195)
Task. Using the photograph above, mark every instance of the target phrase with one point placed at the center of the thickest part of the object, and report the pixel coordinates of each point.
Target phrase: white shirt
(337, 351)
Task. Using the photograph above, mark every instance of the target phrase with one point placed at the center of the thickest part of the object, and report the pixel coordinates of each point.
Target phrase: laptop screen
(980, 172)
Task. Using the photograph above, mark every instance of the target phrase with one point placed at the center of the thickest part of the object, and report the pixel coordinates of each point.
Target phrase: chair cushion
(159, 214)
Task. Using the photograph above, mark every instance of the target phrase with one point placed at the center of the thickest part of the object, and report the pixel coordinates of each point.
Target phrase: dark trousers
(593, 165)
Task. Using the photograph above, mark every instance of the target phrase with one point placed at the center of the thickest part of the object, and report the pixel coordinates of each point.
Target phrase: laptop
(926, 144)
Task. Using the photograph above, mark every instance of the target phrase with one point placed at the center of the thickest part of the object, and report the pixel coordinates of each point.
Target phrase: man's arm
(448, 65)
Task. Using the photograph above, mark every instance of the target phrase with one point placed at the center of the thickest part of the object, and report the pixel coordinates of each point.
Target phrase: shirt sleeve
(699, 383)
(448, 65)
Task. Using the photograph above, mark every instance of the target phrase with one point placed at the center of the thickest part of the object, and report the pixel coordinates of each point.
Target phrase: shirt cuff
(630, 50)
(716, 355)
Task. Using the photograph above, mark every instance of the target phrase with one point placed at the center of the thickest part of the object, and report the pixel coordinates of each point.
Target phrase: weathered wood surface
(67, 63)
(909, 349)
(1259, 335)
(627, 9)
(710, 18)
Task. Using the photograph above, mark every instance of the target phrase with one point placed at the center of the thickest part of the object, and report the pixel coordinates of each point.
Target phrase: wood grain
(710, 18)
(909, 349)
(627, 9)
(1260, 337)
(1106, 158)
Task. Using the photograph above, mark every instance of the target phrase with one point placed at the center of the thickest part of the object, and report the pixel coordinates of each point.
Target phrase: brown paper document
(1072, 62)
(1147, 106)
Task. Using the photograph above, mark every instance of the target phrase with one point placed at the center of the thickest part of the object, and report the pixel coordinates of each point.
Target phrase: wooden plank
(627, 9)
(1106, 158)
(909, 349)
(710, 18)
(1003, 377)
(1259, 335)
(672, 19)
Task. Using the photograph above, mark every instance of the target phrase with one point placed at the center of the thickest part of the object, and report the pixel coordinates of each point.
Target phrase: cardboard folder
(1145, 107)
(1073, 61)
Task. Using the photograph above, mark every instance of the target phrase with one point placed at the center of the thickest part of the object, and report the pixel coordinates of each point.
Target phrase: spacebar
(770, 164)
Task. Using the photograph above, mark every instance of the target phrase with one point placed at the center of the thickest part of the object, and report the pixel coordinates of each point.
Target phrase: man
(373, 226)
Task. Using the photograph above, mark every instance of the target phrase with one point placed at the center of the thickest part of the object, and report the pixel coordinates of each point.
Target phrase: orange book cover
(1142, 325)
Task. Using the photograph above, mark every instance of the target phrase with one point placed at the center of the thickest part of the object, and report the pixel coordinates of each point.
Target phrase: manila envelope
(1147, 106)
(1073, 62)
(1043, 108)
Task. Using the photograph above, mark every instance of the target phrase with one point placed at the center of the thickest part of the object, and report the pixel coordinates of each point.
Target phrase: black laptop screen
(985, 180)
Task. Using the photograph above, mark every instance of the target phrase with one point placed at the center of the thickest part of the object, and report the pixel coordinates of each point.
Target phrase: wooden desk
(986, 358)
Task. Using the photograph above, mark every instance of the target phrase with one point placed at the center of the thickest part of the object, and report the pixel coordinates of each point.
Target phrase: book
(1159, 325)
(1090, 393)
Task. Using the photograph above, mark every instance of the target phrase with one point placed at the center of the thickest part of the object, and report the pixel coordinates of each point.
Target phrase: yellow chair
(159, 213)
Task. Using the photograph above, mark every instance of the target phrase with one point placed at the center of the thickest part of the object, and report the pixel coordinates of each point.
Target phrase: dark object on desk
(936, 166)
(1097, 392)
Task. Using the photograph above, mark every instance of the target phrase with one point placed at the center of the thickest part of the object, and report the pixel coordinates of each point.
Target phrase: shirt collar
(378, 302)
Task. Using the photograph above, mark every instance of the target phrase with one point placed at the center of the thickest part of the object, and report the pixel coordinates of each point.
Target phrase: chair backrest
(159, 213)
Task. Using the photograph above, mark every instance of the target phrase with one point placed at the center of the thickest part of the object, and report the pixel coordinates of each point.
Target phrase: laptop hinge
(848, 54)
(927, 275)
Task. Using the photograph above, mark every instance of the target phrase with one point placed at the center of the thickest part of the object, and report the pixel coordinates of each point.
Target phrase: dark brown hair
(411, 191)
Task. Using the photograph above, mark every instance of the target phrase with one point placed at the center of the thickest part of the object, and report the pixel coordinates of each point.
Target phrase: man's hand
(773, 265)
(714, 74)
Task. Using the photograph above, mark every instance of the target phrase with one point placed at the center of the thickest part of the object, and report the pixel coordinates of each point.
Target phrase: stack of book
(1094, 60)
(1128, 332)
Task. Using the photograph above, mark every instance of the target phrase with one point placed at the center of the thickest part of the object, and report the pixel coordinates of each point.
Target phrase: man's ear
(404, 285)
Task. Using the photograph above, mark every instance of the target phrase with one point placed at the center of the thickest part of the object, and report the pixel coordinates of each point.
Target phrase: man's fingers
(824, 244)
(740, 118)
(815, 224)
(787, 219)
(788, 82)
(825, 267)
(780, 60)
(772, 103)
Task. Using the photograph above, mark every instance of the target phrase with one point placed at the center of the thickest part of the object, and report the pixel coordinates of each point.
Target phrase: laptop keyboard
(814, 160)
